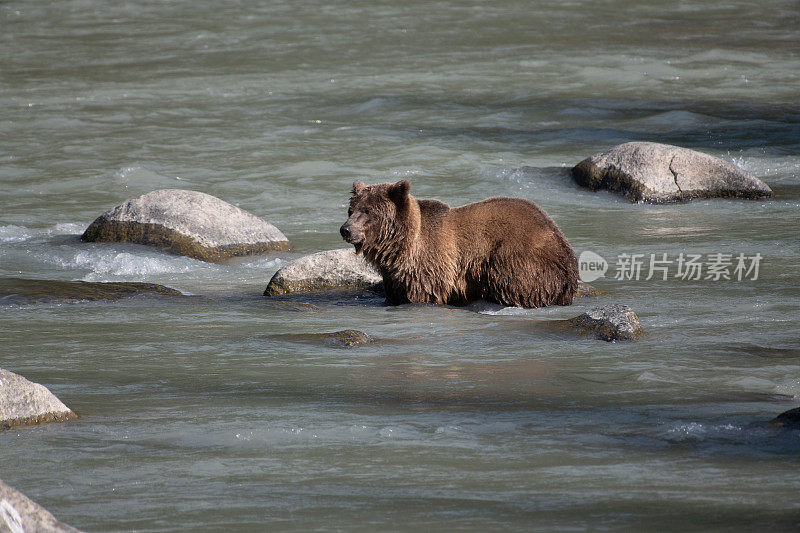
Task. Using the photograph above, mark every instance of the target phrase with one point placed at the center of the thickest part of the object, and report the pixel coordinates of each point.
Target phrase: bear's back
(504, 218)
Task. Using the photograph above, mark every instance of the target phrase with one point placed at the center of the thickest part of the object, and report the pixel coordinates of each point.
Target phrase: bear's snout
(345, 231)
(351, 233)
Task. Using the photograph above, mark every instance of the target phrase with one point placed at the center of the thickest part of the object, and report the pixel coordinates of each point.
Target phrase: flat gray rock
(662, 173)
(23, 402)
(19, 514)
(33, 291)
(187, 223)
(609, 323)
(324, 270)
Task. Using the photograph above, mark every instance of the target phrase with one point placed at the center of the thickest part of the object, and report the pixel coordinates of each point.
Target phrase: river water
(222, 410)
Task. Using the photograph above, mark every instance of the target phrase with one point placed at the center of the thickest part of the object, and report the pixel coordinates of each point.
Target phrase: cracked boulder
(23, 402)
(325, 270)
(662, 173)
(187, 223)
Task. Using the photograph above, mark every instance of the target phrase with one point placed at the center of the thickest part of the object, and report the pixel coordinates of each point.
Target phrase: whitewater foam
(12, 233)
(262, 263)
(105, 265)
(67, 228)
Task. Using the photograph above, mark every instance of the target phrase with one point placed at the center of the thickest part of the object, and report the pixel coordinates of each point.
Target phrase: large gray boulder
(609, 323)
(23, 402)
(662, 173)
(187, 223)
(20, 514)
(324, 270)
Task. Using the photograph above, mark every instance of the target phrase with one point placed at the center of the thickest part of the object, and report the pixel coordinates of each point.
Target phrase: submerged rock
(789, 419)
(31, 291)
(339, 339)
(347, 338)
(289, 305)
(18, 513)
(324, 270)
(609, 323)
(23, 402)
(587, 291)
(187, 223)
(662, 173)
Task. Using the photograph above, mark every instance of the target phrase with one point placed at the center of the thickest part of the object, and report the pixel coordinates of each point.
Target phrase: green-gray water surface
(221, 410)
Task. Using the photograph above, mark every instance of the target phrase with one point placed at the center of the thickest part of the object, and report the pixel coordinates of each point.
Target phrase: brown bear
(502, 250)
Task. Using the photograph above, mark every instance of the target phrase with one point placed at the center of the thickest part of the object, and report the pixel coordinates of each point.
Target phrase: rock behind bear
(502, 250)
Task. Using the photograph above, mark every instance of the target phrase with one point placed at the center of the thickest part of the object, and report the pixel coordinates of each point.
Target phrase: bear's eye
(366, 212)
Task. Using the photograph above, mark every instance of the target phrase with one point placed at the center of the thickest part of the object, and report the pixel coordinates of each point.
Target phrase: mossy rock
(188, 223)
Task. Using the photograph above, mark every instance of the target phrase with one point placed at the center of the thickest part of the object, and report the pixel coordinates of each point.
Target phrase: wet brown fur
(502, 250)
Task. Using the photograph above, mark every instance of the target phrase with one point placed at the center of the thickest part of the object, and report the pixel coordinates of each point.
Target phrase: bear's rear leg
(529, 282)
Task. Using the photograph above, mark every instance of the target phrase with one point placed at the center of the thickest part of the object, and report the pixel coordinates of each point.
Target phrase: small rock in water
(788, 420)
(18, 514)
(587, 291)
(32, 291)
(347, 338)
(662, 173)
(187, 223)
(23, 402)
(609, 323)
(296, 306)
(324, 270)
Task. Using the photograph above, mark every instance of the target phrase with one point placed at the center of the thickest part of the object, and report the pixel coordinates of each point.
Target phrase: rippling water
(222, 410)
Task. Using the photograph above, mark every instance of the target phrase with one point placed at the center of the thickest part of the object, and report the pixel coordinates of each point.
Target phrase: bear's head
(376, 214)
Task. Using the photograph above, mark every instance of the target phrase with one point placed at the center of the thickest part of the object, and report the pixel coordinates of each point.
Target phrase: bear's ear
(358, 186)
(398, 192)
